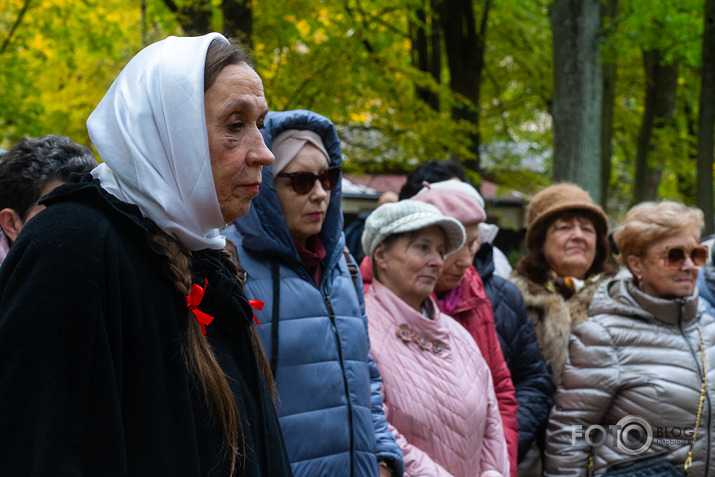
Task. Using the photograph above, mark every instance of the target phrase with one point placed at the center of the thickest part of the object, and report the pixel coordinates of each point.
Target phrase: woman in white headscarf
(129, 348)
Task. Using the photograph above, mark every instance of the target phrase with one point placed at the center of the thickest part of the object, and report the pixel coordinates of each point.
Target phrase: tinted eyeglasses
(304, 181)
(674, 257)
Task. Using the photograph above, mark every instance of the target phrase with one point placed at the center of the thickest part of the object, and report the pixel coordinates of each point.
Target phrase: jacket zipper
(331, 314)
(700, 376)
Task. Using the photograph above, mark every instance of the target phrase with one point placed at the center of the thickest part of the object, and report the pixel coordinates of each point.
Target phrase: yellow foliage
(303, 28)
(359, 117)
(320, 37)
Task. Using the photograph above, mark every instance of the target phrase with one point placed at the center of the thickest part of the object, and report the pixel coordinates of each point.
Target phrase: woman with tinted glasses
(313, 323)
(644, 360)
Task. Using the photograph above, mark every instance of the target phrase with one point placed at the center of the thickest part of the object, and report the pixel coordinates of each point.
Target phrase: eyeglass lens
(303, 182)
(676, 256)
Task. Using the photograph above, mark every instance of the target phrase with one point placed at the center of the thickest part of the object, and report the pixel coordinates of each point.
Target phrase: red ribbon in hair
(193, 300)
(256, 305)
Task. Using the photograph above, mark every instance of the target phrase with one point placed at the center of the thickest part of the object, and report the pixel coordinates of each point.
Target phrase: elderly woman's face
(235, 110)
(570, 246)
(410, 266)
(456, 264)
(660, 279)
(304, 213)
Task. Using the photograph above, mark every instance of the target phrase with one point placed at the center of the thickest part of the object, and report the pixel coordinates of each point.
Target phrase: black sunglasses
(674, 257)
(304, 181)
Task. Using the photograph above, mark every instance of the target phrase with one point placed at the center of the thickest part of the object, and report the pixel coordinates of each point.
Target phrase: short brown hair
(534, 266)
(649, 222)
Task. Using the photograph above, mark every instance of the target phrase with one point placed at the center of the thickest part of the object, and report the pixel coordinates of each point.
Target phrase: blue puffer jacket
(330, 406)
(517, 338)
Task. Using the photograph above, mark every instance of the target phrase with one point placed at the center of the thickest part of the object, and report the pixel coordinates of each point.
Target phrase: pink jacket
(438, 393)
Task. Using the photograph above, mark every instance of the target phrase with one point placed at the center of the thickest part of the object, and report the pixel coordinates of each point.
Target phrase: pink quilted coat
(438, 393)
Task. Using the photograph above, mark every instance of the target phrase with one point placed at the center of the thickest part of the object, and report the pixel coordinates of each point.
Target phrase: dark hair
(431, 171)
(534, 267)
(32, 163)
(220, 54)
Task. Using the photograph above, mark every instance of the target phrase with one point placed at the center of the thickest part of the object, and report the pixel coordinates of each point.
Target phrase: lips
(253, 187)
(315, 215)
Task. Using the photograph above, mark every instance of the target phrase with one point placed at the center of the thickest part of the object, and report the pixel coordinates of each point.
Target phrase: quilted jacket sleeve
(495, 456)
(387, 448)
(590, 381)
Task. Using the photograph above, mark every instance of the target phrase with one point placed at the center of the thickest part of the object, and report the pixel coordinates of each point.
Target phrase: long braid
(263, 363)
(201, 361)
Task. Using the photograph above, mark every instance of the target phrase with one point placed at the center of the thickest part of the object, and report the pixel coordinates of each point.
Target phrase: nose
(317, 193)
(258, 153)
(688, 264)
(463, 257)
(577, 232)
(436, 259)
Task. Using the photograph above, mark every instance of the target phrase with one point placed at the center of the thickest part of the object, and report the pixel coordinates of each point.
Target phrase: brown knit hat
(557, 199)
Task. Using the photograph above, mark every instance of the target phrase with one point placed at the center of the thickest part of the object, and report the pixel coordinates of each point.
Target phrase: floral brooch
(426, 343)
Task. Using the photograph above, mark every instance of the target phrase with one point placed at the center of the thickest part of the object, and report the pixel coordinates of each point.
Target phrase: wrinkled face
(570, 246)
(304, 213)
(410, 266)
(658, 279)
(235, 110)
(456, 264)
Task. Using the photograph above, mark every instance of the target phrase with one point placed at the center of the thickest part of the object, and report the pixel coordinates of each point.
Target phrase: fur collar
(555, 317)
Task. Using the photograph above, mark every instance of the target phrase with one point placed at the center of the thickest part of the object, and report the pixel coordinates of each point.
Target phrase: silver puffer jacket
(636, 358)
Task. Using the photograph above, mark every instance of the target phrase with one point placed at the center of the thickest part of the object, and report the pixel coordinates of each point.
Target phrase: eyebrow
(242, 104)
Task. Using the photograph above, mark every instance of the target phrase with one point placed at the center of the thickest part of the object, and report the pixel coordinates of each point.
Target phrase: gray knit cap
(406, 216)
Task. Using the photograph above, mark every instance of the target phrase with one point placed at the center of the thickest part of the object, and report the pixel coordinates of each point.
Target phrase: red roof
(379, 182)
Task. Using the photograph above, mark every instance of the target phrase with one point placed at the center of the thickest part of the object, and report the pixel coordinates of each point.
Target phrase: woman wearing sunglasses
(644, 361)
(313, 323)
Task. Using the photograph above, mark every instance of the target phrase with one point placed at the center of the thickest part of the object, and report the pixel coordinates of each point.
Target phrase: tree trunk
(194, 16)
(706, 120)
(661, 82)
(578, 93)
(608, 10)
(422, 56)
(464, 45)
(238, 20)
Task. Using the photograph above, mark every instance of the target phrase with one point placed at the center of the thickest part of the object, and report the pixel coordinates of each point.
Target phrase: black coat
(532, 381)
(92, 377)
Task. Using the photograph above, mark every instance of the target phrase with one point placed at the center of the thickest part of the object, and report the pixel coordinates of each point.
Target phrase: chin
(233, 215)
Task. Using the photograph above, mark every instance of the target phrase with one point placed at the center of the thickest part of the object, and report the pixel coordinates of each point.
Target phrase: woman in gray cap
(438, 393)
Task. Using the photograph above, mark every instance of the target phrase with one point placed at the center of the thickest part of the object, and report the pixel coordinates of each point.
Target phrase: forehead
(237, 86)
(573, 217)
(682, 239)
(428, 233)
(309, 158)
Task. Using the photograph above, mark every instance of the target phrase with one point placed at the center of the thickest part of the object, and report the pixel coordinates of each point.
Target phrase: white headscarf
(150, 131)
